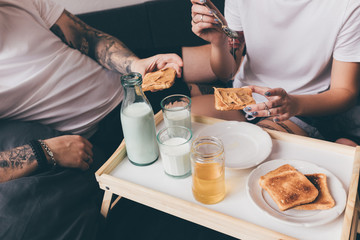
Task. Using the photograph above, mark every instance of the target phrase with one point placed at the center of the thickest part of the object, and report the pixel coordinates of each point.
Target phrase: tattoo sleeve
(16, 162)
(107, 50)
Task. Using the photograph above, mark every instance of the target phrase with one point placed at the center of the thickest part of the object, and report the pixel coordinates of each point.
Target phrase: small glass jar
(208, 170)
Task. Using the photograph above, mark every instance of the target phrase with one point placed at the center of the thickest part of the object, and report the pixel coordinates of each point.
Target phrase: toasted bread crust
(232, 98)
(324, 200)
(288, 187)
(159, 80)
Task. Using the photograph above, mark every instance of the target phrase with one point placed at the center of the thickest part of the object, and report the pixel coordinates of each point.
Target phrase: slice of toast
(232, 98)
(324, 200)
(288, 187)
(159, 80)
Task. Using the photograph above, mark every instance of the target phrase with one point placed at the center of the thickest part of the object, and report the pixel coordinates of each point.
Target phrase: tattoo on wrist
(17, 158)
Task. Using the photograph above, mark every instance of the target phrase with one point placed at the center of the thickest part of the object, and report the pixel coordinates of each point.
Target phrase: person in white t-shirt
(58, 71)
(301, 57)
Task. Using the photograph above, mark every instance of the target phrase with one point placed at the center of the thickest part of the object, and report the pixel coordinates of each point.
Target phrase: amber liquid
(208, 182)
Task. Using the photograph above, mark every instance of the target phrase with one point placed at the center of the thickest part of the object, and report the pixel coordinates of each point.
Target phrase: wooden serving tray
(236, 215)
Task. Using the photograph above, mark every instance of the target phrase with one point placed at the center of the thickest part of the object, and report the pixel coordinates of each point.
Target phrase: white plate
(305, 218)
(246, 145)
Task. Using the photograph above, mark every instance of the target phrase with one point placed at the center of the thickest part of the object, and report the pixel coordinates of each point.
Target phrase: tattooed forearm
(113, 54)
(17, 157)
(103, 48)
(16, 163)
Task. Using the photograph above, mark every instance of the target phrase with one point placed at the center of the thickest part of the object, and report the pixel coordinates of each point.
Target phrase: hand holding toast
(159, 80)
(232, 98)
(281, 106)
(158, 62)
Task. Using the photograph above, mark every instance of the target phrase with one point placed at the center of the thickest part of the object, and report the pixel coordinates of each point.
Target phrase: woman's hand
(280, 106)
(205, 25)
(158, 62)
(71, 151)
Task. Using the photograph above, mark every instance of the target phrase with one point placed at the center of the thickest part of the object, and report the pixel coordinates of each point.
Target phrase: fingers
(87, 160)
(267, 109)
(176, 67)
(172, 57)
(275, 92)
(88, 148)
(72, 151)
(84, 166)
(278, 105)
(199, 28)
(83, 160)
(259, 90)
(203, 17)
(200, 9)
(205, 8)
(86, 153)
(85, 157)
(87, 142)
(169, 60)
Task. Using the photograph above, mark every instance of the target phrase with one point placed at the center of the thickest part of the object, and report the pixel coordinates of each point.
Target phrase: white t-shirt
(44, 80)
(291, 43)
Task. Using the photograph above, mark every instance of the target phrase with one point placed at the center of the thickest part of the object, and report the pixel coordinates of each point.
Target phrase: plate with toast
(296, 192)
(245, 144)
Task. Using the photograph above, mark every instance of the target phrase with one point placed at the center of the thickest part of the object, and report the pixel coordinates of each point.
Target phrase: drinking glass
(177, 110)
(174, 144)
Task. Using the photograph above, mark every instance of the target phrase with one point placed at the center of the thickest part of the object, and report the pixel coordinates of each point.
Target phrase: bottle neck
(133, 90)
(131, 79)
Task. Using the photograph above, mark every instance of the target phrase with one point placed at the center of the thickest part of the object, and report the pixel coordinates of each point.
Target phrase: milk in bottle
(137, 120)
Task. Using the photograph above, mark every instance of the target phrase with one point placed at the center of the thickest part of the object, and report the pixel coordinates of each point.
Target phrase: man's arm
(107, 50)
(70, 151)
(16, 163)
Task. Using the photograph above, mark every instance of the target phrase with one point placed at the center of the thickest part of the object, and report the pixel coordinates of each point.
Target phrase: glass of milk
(177, 110)
(174, 144)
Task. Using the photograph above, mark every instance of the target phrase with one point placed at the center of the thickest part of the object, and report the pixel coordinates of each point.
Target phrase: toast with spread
(159, 80)
(232, 98)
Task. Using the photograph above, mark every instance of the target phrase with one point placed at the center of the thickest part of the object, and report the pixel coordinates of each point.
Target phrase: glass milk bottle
(138, 124)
